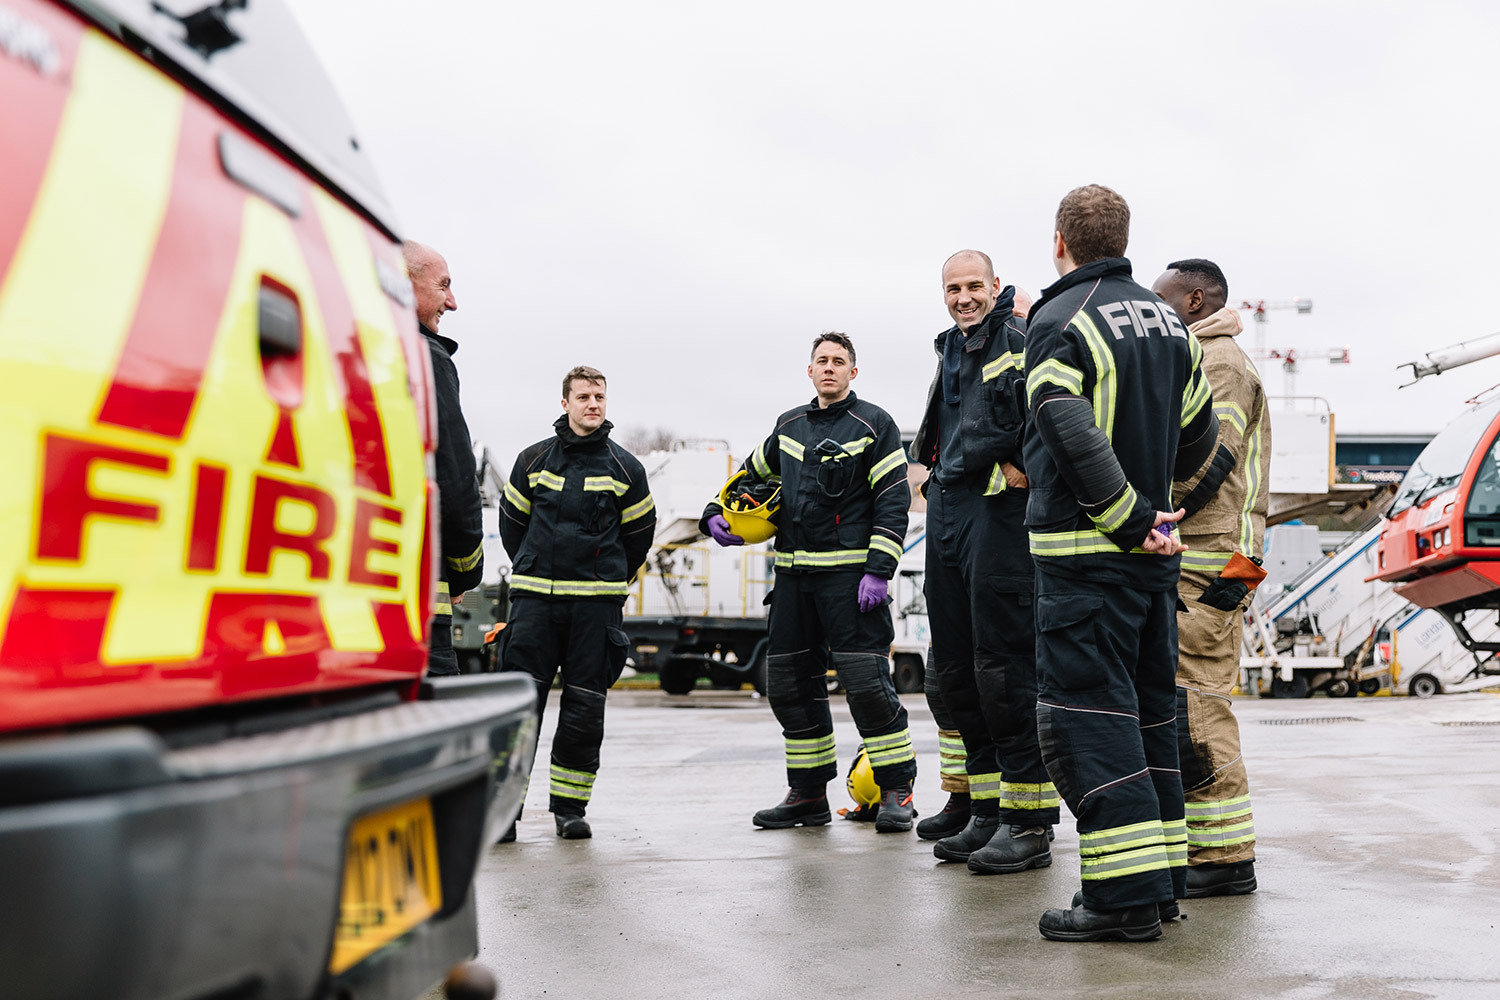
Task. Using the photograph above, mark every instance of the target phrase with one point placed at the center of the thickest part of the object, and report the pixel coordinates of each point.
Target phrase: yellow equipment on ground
(861, 781)
(750, 510)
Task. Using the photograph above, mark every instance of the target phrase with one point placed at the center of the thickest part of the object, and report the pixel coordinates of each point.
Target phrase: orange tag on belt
(1241, 567)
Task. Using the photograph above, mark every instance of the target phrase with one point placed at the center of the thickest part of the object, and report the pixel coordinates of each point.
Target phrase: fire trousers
(1106, 717)
(816, 623)
(952, 757)
(583, 639)
(979, 584)
(1220, 826)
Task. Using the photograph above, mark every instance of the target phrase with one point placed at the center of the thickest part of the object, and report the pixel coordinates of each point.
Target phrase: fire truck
(222, 771)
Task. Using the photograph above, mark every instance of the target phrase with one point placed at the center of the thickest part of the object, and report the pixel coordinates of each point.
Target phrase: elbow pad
(1082, 451)
(1213, 477)
(1087, 461)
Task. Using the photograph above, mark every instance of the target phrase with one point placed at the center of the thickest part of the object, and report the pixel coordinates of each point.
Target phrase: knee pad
(867, 684)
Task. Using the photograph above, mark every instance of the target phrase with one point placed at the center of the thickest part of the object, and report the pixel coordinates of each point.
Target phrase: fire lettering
(68, 502)
(266, 536)
(365, 514)
(209, 486)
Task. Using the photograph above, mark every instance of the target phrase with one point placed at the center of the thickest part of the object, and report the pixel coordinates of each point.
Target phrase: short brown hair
(1094, 222)
(584, 372)
(842, 339)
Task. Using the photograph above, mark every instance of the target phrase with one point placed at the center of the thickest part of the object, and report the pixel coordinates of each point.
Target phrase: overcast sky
(682, 195)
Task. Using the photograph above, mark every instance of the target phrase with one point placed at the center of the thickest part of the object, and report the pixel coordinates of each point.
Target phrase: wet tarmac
(1378, 822)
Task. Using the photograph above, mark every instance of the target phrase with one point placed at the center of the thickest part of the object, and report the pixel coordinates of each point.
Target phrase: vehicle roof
(269, 77)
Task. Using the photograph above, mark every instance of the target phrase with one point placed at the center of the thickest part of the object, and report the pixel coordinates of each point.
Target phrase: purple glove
(719, 529)
(872, 591)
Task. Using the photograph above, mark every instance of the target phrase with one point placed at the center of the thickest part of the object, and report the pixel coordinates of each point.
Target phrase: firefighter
(979, 574)
(1120, 410)
(462, 561)
(1219, 570)
(840, 530)
(577, 519)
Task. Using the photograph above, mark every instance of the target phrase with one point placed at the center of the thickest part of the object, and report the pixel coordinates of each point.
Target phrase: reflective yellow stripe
(1195, 395)
(849, 449)
(551, 480)
(572, 784)
(1118, 838)
(440, 603)
(984, 786)
(997, 483)
(758, 459)
(1073, 543)
(895, 460)
(1232, 414)
(605, 484)
(1219, 809)
(1145, 859)
(636, 511)
(1003, 363)
(1174, 832)
(951, 753)
(1117, 513)
(1206, 562)
(834, 557)
(880, 543)
(891, 748)
(1221, 836)
(791, 446)
(569, 588)
(807, 753)
(517, 499)
(1056, 372)
(1027, 795)
(465, 563)
(1104, 374)
(1252, 487)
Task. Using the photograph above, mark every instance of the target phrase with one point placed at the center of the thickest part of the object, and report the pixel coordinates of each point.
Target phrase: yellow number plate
(391, 881)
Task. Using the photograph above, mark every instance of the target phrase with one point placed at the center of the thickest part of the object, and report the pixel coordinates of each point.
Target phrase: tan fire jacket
(1235, 519)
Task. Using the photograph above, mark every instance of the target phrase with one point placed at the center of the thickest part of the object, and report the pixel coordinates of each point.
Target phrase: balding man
(979, 574)
(462, 562)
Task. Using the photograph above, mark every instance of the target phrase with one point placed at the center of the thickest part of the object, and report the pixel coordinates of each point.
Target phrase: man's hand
(718, 527)
(872, 591)
(1160, 541)
(1014, 477)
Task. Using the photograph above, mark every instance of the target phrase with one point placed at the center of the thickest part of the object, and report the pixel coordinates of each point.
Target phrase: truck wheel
(1294, 688)
(1341, 687)
(678, 676)
(1370, 686)
(1425, 686)
(908, 674)
(724, 679)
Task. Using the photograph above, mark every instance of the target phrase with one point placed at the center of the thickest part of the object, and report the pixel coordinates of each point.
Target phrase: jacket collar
(838, 407)
(451, 346)
(1224, 323)
(571, 440)
(1001, 311)
(1109, 267)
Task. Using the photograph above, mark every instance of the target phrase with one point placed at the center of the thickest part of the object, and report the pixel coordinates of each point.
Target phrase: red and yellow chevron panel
(192, 519)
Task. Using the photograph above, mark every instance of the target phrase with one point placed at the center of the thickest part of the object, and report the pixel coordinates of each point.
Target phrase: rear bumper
(188, 873)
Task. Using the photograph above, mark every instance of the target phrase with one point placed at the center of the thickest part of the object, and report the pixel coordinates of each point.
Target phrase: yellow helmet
(751, 513)
(861, 780)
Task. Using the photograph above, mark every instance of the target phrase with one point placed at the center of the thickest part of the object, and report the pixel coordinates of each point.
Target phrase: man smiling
(978, 583)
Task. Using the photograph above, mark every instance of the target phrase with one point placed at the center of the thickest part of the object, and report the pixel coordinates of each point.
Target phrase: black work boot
(572, 827)
(801, 807)
(948, 823)
(509, 836)
(896, 810)
(970, 839)
(1134, 923)
(1012, 849)
(1166, 911)
(1237, 879)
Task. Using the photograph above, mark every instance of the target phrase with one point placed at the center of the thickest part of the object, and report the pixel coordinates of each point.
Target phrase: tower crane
(1289, 357)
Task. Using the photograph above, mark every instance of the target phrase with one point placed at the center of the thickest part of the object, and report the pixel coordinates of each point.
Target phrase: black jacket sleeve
(637, 519)
(458, 485)
(887, 478)
(515, 506)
